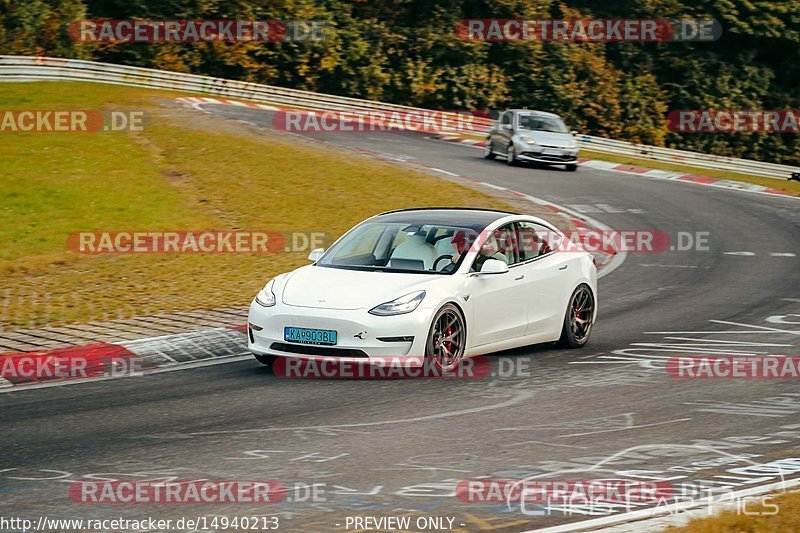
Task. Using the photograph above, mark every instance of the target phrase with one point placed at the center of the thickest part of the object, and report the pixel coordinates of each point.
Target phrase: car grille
(558, 158)
(310, 349)
(554, 146)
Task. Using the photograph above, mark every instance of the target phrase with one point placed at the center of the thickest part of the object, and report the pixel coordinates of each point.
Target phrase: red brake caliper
(579, 314)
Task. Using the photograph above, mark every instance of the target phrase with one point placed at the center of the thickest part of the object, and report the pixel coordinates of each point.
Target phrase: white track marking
(765, 328)
(600, 165)
(624, 428)
(781, 254)
(717, 342)
(547, 444)
(444, 172)
(748, 254)
(492, 185)
(519, 398)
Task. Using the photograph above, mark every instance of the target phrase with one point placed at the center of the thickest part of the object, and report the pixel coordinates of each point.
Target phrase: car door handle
(563, 267)
(519, 278)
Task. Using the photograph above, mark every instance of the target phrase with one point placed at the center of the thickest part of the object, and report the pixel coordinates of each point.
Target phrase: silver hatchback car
(528, 135)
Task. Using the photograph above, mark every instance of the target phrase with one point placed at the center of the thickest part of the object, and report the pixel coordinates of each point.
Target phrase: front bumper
(549, 159)
(358, 332)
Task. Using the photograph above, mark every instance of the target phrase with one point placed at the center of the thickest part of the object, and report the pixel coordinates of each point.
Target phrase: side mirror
(494, 266)
(507, 126)
(574, 132)
(315, 254)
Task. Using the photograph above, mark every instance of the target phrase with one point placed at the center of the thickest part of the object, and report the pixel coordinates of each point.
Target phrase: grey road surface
(391, 448)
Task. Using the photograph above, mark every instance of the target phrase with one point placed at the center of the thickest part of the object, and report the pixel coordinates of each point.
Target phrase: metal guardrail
(25, 68)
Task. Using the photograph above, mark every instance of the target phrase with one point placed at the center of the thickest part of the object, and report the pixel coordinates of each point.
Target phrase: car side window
(500, 244)
(536, 240)
(506, 120)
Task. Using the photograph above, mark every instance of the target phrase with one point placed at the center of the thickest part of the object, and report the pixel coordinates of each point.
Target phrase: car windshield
(401, 247)
(542, 123)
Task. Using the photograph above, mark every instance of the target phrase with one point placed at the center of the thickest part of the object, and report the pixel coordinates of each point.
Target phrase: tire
(448, 318)
(511, 156)
(487, 150)
(572, 168)
(265, 360)
(577, 327)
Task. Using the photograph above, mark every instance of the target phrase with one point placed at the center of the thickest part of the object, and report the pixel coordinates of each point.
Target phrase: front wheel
(487, 150)
(447, 338)
(266, 360)
(511, 156)
(572, 168)
(578, 319)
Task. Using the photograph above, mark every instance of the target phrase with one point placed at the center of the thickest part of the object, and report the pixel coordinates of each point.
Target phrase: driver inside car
(462, 242)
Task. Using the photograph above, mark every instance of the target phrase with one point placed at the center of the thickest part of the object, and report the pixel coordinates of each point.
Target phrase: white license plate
(552, 151)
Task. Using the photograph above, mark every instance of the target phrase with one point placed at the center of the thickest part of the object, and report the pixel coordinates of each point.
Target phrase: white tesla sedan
(435, 284)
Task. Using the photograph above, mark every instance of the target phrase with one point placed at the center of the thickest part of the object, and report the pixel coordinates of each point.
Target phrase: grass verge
(185, 171)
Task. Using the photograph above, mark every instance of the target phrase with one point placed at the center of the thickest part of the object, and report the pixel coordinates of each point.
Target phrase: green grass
(53, 184)
(185, 171)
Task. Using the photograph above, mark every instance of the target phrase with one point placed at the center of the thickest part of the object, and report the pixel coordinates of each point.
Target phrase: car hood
(336, 288)
(550, 138)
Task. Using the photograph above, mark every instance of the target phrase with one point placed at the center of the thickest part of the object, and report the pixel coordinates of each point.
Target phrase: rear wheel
(487, 150)
(447, 338)
(578, 319)
(572, 168)
(266, 360)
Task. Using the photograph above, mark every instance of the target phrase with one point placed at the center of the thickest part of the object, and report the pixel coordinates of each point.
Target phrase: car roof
(445, 216)
(532, 111)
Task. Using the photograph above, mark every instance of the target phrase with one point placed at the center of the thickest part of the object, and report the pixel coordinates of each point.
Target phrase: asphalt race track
(399, 447)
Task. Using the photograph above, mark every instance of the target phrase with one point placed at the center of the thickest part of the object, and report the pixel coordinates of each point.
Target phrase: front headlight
(265, 296)
(399, 306)
(529, 141)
